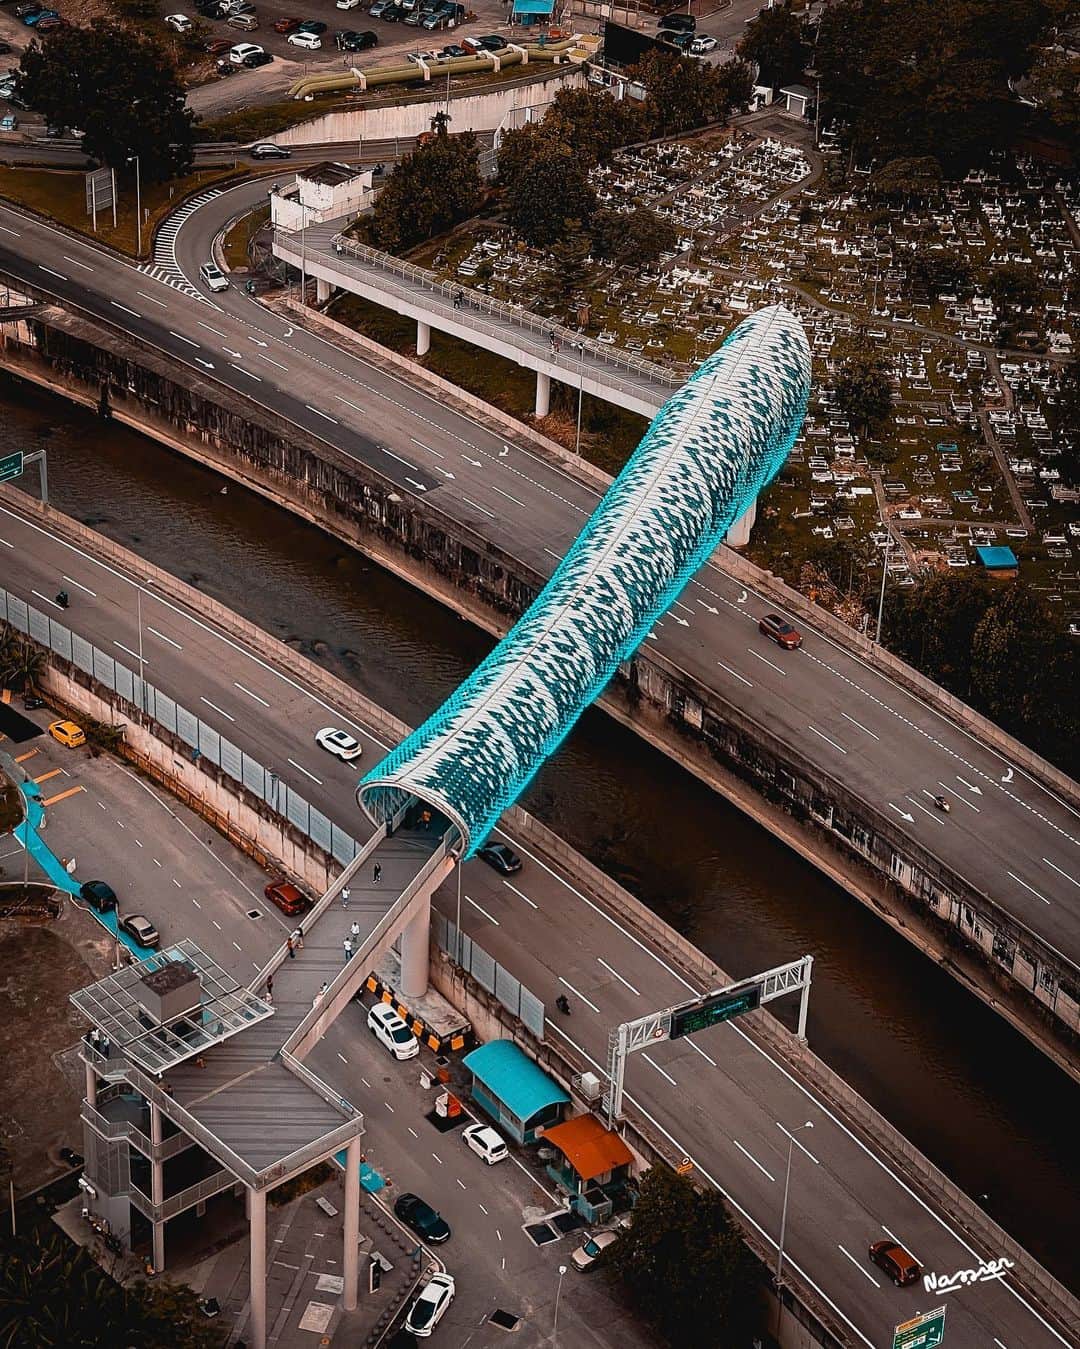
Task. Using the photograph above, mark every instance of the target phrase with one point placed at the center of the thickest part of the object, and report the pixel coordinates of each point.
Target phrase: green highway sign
(711, 1011)
(11, 465)
(921, 1332)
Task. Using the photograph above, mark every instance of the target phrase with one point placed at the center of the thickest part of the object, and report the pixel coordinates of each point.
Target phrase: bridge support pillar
(543, 393)
(257, 1219)
(423, 338)
(322, 291)
(738, 536)
(157, 1189)
(351, 1253)
(414, 951)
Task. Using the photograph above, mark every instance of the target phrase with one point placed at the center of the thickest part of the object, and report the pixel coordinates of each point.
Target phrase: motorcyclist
(563, 1004)
(942, 804)
(62, 599)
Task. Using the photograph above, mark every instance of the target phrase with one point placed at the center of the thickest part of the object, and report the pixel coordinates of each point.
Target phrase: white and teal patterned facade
(710, 450)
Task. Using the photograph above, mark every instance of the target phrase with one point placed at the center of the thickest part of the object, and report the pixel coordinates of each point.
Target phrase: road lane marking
(861, 727)
(76, 263)
(163, 637)
(305, 772)
(557, 556)
(508, 496)
(141, 659)
(368, 1084)
(14, 232)
(342, 1057)
(62, 796)
(904, 1244)
(216, 331)
(412, 1131)
(958, 796)
(47, 599)
(389, 1106)
(1035, 892)
(139, 844)
(735, 674)
(52, 272)
(650, 1060)
(764, 661)
(693, 1045)
(482, 910)
(461, 1183)
(437, 1158)
(436, 453)
(152, 299)
(216, 708)
(250, 374)
(826, 738)
(750, 1156)
(270, 361)
(72, 581)
(520, 895)
(919, 806)
(476, 506)
(418, 485)
(181, 338)
(802, 1148)
(577, 993)
(618, 976)
(320, 413)
(117, 305)
(6, 544)
(483, 1210)
(858, 1266)
(250, 694)
(1055, 866)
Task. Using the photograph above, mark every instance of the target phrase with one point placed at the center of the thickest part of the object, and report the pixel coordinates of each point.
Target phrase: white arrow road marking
(421, 488)
(904, 815)
(970, 786)
(1008, 776)
(952, 792)
(476, 463)
(236, 355)
(256, 341)
(209, 364)
(742, 598)
(681, 621)
(445, 472)
(710, 607)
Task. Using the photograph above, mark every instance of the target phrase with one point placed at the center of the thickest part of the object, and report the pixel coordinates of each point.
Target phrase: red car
(287, 26)
(781, 631)
(287, 897)
(217, 46)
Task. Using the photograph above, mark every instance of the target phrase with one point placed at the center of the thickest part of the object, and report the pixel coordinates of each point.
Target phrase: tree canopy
(775, 42)
(684, 94)
(683, 1267)
(638, 236)
(548, 190)
(594, 124)
(120, 87)
(864, 391)
(430, 191)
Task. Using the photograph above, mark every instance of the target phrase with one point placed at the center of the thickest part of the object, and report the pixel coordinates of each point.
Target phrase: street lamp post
(558, 1291)
(783, 1222)
(884, 578)
(138, 203)
(457, 940)
(580, 394)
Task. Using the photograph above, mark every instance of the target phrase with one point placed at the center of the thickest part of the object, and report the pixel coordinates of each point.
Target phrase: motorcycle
(942, 804)
(563, 1004)
(62, 599)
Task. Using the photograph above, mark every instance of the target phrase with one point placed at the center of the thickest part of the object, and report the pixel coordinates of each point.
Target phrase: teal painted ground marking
(370, 1180)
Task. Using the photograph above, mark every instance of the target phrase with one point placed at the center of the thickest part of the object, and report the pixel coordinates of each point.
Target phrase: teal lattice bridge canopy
(709, 452)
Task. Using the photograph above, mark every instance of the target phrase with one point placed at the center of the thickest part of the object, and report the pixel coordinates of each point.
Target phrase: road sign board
(11, 465)
(710, 1011)
(921, 1332)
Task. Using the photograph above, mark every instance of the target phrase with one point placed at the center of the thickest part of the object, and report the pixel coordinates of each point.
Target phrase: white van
(388, 1028)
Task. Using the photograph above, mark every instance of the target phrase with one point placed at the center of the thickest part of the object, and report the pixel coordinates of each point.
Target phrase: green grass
(253, 124)
(236, 241)
(11, 811)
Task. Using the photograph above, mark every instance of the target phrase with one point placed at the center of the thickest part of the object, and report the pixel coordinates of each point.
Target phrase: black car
(499, 856)
(31, 701)
(494, 43)
(268, 150)
(422, 1218)
(315, 26)
(351, 41)
(392, 14)
(24, 11)
(71, 1158)
(255, 59)
(98, 895)
(678, 22)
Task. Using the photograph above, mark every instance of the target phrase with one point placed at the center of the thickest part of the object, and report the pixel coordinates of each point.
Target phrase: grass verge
(236, 241)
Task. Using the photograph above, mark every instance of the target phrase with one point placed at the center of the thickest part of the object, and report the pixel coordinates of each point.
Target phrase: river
(950, 1074)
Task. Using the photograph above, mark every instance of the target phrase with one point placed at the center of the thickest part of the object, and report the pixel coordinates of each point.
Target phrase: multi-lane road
(1007, 835)
(719, 1098)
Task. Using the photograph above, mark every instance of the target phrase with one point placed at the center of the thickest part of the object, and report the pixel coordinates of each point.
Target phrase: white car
(592, 1248)
(309, 41)
(701, 46)
(339, 743)
(431, 1306)
(485, 1142)
(389, 1029)
(348, 4)
(179, 23)
(214, 277)
(239, 54)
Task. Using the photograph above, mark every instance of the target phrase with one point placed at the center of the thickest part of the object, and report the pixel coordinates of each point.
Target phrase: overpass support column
(351, 1255)
(738, 536)
(322, 291)
(423, 338)
(414, 951)
(543, 393)
(257, 1225)
(157, 1189)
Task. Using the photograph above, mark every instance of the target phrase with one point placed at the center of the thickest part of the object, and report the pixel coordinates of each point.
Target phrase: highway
(1007, 835)
(720, 1098)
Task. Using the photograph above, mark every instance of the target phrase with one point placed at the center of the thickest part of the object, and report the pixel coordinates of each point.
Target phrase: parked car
(422, 56)
(99, 895)
(486, 1142)
(287, 897)
(701, 46)
(217, 46)
(592, 1249)
(348, 4)
(315, 26)
(238, 55)
(66, 732)
(139, 928)
(682, 41)
(268, 150)
(48, 23)
(9, 122)
(686, 22)
(454, 49)
(257, 58)
(492, 42)
(393, 14)
(376, 10)
(31, 7)
(179, 23)
(391, 1031)
(72, 1158)
(31, 701)
(350, 41)
(245, 22)
(309, 41)
(891, 1257)
(781, 631)
(339, 743)
(212, 274)
(501, 857)
(287, 25)
(41, 16)
(422, 1218)
(430, 1306)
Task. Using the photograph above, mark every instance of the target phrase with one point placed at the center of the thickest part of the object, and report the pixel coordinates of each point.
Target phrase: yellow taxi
(68, 733)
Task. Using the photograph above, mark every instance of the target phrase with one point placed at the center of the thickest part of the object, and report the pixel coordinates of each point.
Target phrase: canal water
(964, 1087)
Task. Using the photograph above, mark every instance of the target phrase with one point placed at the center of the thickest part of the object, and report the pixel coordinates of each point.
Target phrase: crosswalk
(163, 265)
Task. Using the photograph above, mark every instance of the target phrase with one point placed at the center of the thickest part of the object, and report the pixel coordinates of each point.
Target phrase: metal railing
(477, 306)
(184, 1199)
(110, 1128)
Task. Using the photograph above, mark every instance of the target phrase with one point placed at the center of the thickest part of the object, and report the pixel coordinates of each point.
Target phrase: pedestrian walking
(345, 898)
(348, 949)
(376, 872)
(298, 937)
(354, 931)
(269, 988)
(290, 946)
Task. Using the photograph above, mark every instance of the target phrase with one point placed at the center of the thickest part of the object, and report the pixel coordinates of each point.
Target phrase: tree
(1054, 83)
(1014, 286)
(683, 1267)
(593, 124)
(637, 236)
(1066, 414)
(120, 87)
(864, 392)
(943, 272)
(684, 94)
(775, 42)
(907, 178)
(431, 190)
(548, 190)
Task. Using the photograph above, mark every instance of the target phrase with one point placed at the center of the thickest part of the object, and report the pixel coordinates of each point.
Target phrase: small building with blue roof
(517, 1094)
(1000, 563)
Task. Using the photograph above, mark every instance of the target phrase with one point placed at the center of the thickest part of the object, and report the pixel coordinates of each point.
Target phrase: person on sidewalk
(354, 932)
(345, 897)
(376, 873)
(290, 946)
(298, 938)
(348, 949)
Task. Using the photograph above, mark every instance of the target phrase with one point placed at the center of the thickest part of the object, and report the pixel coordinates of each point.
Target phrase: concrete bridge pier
(414, 950)
(738, 536)
(423, 337)
(323, 290)
(256, 1207)
(157, 1187)
(543, 393)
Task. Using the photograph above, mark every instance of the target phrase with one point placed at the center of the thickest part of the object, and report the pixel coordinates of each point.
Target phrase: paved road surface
(1007, 835)
(719, 1098)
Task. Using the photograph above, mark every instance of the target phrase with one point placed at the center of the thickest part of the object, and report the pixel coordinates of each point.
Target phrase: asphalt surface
(720, 1099)
(1007, 835)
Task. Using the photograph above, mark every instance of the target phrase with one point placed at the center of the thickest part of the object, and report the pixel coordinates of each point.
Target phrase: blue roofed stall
(517, 1094)
(530, 12)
